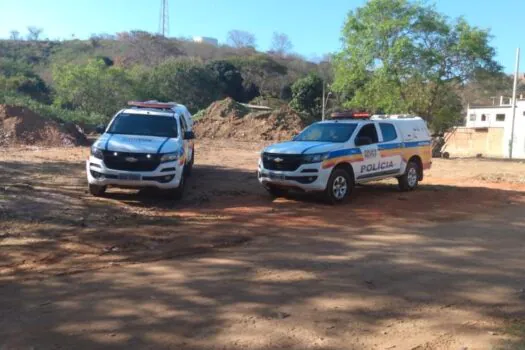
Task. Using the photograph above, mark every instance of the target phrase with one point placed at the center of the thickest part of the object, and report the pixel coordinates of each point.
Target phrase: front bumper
(99, 174)
(307, 178)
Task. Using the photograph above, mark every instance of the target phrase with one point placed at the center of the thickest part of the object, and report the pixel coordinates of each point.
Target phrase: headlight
(97, 152)
(169, 157)
(315, 158)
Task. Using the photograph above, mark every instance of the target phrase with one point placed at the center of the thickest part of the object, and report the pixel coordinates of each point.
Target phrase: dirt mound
(21, 126)
(227, 119)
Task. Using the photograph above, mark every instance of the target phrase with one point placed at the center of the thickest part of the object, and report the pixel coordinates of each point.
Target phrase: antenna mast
(164, 19)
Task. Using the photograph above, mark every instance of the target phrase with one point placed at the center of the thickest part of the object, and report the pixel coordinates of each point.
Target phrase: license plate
(275, 176)
(130, 177)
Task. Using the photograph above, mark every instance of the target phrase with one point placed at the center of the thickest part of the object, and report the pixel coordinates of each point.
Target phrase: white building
(206, 40)
(488, 132)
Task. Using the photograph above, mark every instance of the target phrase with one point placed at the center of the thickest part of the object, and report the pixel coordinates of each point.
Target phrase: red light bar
(350, 115)
(159, 105)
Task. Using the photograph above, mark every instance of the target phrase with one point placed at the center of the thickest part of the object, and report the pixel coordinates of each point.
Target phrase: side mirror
(363, 141)
(189, 135)
(100, 129)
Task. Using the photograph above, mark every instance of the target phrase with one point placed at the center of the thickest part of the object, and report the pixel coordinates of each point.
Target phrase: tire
(276, 192)
(189, 166)
(178, 193)
(410, 179)
(339, 187)
(96, 190)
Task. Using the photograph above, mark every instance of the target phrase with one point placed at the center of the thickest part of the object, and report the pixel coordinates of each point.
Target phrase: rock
(492, 333)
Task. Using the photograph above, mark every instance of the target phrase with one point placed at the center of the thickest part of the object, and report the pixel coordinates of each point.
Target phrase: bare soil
(230, 268)
(227, 119)
(20, 126)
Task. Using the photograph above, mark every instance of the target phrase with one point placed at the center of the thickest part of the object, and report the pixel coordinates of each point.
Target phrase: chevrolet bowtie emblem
(131, 159)
(278, 160)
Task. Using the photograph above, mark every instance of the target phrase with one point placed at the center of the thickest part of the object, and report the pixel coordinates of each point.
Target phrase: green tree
(307, 95)
(16, 76)
(183, 80)
(263, 71)
(229, 78)
(93, 87)
(401, 56)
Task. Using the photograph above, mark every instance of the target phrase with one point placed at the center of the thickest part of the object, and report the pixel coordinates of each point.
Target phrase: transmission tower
(164, 19)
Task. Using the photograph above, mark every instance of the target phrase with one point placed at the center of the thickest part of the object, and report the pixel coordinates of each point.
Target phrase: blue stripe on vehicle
(309, 148)
(162, 145)
(344, 152)
(107, 142)
(417, 143)
(386, 146)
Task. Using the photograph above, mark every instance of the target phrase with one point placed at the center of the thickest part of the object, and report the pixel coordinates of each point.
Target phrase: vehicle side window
(368, 133)
(183, 125)
(388, 131)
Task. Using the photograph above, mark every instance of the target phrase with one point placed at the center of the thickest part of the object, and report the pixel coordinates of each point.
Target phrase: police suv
(149, 144)
(332, 156)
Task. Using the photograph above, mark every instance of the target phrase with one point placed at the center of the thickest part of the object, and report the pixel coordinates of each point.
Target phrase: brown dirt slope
(227, 119)
(22, 126)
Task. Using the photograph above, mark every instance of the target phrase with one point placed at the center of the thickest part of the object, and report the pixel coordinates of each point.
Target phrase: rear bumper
(99, 174)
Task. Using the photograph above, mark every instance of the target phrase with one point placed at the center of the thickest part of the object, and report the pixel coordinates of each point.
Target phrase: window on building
(483, 118)
(472, 117)
(388, 131)
(500, 117)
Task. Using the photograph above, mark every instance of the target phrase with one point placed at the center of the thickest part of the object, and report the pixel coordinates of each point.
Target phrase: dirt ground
(229, 268)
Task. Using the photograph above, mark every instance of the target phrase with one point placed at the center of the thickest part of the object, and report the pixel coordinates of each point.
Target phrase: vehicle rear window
(327, 132)
(388, 131)
(139, 124)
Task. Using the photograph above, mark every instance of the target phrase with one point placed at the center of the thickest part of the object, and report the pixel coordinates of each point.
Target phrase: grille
(142, 163)
(289, 162)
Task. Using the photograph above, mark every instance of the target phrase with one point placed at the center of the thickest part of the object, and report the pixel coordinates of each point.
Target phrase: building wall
(487, 117)
(469, 142)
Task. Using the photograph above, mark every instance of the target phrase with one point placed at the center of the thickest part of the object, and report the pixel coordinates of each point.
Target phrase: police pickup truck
(332, 156)
(149, 144)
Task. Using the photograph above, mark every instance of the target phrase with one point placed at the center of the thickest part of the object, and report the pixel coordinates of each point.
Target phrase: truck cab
(332, 156)
(149, 144)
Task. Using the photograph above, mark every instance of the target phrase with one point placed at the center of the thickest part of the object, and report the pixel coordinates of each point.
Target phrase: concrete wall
(469, 142)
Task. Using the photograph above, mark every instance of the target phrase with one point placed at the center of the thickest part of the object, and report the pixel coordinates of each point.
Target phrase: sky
(313, 26)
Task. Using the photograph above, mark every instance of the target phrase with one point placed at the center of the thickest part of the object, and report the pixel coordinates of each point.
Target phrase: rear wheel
(339, 186)
(97, 190)
(276, 192)
(410, 179)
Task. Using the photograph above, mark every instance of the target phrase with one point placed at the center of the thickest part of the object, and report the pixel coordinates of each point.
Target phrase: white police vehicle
(334, 155)
(149, 144)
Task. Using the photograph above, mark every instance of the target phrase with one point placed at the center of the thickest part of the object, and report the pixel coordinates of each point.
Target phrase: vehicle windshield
(139, 124)
(327, 132)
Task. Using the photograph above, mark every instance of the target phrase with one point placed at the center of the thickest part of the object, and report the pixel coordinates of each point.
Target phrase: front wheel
(339, 186)
(178, 193)
(97, 190)
(276, 192)
(410, 179)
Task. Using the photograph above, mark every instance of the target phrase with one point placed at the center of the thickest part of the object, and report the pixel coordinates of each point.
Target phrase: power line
(164, 18)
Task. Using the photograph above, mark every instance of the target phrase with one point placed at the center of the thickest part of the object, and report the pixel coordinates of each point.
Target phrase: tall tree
(14, 35)
(33, 33)
(241, 39)
(401, 56)
(281, 44)
(307, 95)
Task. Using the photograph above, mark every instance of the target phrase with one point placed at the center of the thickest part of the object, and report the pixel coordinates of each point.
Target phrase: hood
(302, 147)
(136, 143)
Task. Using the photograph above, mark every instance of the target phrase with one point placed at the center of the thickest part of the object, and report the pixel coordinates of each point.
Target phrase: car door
(390, 148)
(367, 140)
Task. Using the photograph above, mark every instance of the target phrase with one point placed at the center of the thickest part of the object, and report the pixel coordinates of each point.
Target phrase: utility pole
(511, 143)
(164, 19)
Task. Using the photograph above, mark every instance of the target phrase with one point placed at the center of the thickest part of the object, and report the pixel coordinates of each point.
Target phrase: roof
(149, 111)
